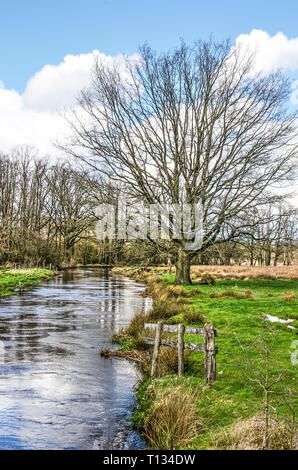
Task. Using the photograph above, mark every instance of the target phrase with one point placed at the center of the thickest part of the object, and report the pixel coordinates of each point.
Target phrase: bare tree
(191, 125)
(272, 231)
(70, 207)
(259, 369)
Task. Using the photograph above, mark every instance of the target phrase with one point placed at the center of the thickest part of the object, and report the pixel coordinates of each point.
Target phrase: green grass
(10, 280)
(232, 397)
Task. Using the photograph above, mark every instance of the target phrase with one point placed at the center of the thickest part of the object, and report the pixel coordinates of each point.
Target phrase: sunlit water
(56, 392)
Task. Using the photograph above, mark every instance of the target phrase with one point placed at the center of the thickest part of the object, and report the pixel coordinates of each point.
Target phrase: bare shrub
(257, 366)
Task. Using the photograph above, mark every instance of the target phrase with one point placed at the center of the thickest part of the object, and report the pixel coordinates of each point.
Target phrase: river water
(56, 392)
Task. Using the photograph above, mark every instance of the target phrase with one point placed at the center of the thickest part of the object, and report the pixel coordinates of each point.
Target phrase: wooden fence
(208, 347)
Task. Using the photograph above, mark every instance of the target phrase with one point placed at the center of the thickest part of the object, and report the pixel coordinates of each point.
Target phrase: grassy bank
(12, 279)
(230, 414)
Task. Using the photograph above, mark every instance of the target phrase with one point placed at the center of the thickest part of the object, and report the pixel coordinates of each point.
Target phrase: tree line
(45, 210)
(48, 217)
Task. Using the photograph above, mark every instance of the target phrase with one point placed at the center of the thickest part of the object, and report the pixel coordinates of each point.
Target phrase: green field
(233, 397)
(12, 279)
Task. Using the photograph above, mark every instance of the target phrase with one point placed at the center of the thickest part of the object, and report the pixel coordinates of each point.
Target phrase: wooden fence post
(181, 330)
(210, 353)
(158, 331)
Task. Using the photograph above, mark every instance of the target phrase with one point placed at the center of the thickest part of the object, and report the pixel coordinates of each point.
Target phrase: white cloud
(54, 87)
(272, 52)
(34, 117)
(19, 125)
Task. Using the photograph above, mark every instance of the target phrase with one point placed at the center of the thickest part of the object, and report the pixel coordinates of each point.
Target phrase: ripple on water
(56, 391)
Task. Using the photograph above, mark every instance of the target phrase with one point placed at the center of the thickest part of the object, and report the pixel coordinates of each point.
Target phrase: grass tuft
(246, 294)
(165, 309)
(288, 296)
(173, 420)
(193, 317)
(136, 325)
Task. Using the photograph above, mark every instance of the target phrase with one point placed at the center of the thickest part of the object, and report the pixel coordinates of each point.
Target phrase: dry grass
(246, 294)
(142, 354)
(136, 325)
(196, 291)
(247, 272)
(167, 361)
(193, 317)
(173, 421)
(143, 358)
(206, 279)
(168, 301)
(154, 291)
(182, 300)
(141, 275)
(288, 296)
(152, 278)
(164, 296)
(176, 291)
(167, 293)
(222, 272)
(248, 435)
(23, 271)
(165, 309)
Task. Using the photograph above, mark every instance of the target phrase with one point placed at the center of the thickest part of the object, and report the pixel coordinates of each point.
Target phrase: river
(56, 392)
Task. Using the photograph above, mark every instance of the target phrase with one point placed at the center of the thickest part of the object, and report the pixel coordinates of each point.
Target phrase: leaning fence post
(181, 330)
(158, 331)
(210, 353)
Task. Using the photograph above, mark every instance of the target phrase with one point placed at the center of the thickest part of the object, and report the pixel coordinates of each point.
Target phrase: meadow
(11, 280)
(230, 413)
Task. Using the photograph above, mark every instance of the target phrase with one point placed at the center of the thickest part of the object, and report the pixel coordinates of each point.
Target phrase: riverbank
(12, 280)
(183, 413)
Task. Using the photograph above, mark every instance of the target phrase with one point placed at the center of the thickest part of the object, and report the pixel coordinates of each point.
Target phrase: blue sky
(34, 33)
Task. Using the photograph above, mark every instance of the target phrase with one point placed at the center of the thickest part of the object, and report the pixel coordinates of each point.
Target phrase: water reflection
(56, 392)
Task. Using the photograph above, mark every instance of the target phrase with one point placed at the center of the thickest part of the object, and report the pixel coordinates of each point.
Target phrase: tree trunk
(183, 268)
(169, 265)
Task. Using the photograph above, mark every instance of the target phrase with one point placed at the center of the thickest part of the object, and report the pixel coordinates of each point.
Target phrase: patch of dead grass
(247, 272)
(247, 434)
(246, 294)
(288, 296)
